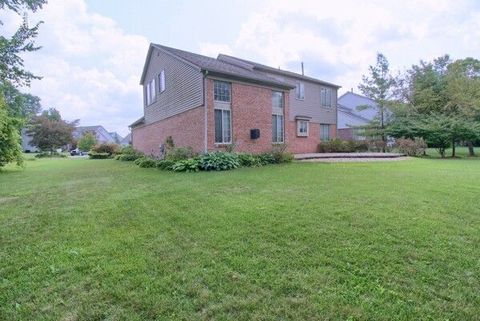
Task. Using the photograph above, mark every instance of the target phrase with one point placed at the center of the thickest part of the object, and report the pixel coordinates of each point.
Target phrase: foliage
(146, 162)
(87, 141)
(280, 154)
(187, 165)
(249, 160)
(108, 148)
(20, 105)
(127, 153)
(10, 148)
(266, 158)
(53, 154)
(180, 153)
(99, 155)
(165, 164)
(49, 132)
(218, 161)
(379, 86)
(22, 41)
(411, 147)
(337, 145)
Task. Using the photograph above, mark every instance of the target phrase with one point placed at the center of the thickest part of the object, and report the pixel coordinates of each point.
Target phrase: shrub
(108, 148)
(280, 155)
(146, 162)
(218, 161)
(411, 147)
(87, 141)
(266, 158)
(95, 155)
(49, 155)
(180, 153)
(165, 164)
(127, 153)
(249, 160)
(343, 146)
(187, 165)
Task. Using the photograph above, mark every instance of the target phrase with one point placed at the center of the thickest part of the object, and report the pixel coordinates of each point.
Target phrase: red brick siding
(186, 129)
(306, 144)
(251, 107)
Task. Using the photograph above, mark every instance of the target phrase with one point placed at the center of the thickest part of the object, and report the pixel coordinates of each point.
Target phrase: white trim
(299, 122)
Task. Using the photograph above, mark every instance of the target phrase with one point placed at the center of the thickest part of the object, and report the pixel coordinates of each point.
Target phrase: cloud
(90, 66)
(213, 49)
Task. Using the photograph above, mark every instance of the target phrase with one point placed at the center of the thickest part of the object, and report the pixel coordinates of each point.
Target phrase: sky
(93, 51)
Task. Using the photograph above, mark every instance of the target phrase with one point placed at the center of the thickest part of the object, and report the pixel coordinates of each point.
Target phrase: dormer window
(300, 91)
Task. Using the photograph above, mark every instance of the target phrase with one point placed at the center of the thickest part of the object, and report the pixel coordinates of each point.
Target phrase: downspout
(205, 104)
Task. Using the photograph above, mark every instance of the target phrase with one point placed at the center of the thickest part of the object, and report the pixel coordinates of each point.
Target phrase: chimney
(303, 73)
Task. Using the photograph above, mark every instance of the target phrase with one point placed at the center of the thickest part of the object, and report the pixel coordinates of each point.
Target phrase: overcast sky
(94, 50)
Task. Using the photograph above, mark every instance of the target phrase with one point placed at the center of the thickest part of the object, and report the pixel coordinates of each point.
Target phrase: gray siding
(310, 106)
(183, 87)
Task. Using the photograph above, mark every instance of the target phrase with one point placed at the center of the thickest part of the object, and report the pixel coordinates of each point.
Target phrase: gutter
(205, 103)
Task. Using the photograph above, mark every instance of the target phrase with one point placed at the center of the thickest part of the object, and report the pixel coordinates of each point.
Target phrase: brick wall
(186, 129)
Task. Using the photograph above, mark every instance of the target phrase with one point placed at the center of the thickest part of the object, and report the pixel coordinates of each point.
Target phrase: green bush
(165, 164)
(186, 165)
(266, 158)
(218, 161)
(95, 155)
(108, 148)
(249, 160)
(180, 153)
(343, 146)
(50, 155)
(146, 162)
(411, 147)
(280, 154)
(128, 154)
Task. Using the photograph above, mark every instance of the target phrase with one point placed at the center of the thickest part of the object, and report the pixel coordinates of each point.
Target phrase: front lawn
(105, 240)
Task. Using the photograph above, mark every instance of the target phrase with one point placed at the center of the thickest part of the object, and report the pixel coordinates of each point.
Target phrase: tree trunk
(453, 149)
(471, 151)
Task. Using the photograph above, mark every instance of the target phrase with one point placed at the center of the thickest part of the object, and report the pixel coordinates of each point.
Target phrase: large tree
(20, 105)
(49, 131)
(378, 85)
(10, 149)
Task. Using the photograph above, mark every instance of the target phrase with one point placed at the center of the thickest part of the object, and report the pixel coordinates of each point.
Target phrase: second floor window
(221, 91)
(151, 92)
(161, 81)
(326, 97)
(277, 99)
(300, 91)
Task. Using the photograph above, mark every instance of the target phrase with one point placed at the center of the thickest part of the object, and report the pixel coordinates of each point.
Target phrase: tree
(49, 131)
(378, 86)
(20, 105)
(87, 141)
(11, 63)
(10, 149)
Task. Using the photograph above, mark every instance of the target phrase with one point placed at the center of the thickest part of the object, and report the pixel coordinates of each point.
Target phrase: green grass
(104, 240)
(460, 152)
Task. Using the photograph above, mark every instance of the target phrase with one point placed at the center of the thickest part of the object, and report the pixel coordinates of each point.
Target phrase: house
(210, 103)
(26, 143)
(353, 112)
(127, 140)
(116, 137)
(101, 134)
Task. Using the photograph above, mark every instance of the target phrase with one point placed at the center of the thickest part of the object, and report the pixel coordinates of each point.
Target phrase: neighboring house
(26, 143)
(116, 137)
(352, 113)
(209, 103)
(127, 140)
(101, 134)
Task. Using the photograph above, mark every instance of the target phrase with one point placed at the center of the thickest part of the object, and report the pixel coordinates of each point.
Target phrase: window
(223, 131)
(221, 91)
(326, 97)
(300, 91)
(277, 99)
(302, 128)
(151, 93)
(277, 128)
(324, 132)
(161, 81)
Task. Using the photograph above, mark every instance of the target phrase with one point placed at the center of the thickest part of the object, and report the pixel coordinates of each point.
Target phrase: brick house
(209, 103)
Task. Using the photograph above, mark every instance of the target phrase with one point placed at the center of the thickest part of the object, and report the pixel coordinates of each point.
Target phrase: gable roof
(352, 100)
(278, 71)
(351, 112)
(234, 68)
(97, 129)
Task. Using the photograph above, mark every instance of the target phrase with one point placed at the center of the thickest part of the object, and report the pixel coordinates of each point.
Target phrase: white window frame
(215, 85)
(275, 137)
(282, 104)
(322, 138)
(224, 111)
(161, 81)
(300, 91)
(326, 97)
(301, 122)
(151, 92)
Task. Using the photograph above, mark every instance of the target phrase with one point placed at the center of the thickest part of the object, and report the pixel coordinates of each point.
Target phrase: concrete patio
(349, 156)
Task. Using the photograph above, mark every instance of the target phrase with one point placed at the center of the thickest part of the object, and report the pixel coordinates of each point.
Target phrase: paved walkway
(350, 156)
